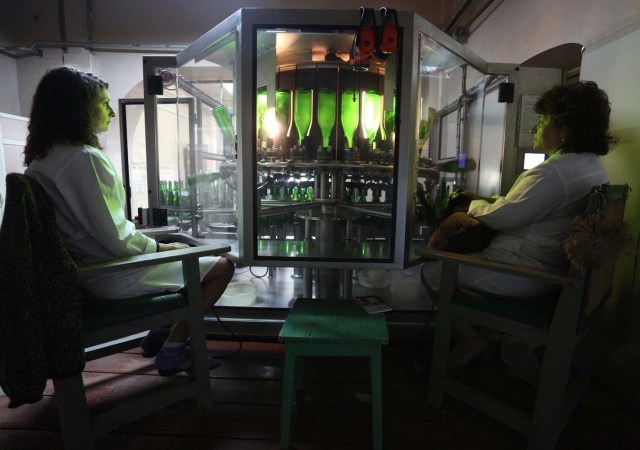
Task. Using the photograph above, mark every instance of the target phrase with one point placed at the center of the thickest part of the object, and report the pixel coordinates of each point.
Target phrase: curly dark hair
(62, 111)
(581, 110)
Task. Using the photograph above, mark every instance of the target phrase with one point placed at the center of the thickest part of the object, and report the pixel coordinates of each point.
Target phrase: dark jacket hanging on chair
(40, 297)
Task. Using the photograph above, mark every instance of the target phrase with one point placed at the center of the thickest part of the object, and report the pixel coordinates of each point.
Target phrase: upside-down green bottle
(302, 110)
(326, 113)
(349, 114)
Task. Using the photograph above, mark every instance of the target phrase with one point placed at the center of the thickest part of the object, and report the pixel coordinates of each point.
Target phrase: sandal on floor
(153, 341)
(177, 359)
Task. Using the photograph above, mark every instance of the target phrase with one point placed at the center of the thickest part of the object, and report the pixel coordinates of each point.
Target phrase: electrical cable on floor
(418, 363)
(238, 272)
(426, 324)
(258, 276)
(228, 330)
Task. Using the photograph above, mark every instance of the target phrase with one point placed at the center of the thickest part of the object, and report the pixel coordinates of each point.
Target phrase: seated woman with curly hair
(534, 219)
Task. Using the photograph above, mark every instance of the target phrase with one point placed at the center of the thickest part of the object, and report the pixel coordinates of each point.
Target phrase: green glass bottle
(371, 114)
(326, 113)
(349, 114)
(169, 193)
(223, 119)
(261, 111)
(283, 110)
(302, 110)
(389, 121)
(163, 193)
(176, 194)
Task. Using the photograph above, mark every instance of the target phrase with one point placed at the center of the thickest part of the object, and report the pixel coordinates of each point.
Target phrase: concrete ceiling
(157, 25)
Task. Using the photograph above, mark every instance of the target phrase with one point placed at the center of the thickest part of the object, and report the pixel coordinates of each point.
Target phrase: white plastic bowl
(238, 294)
(374, 279)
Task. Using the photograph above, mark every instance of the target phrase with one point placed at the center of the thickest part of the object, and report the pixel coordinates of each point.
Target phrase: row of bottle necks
(305, 193)
(299, 193)
(303, 153)
(170, 193)
(175, 198)
(173, 195)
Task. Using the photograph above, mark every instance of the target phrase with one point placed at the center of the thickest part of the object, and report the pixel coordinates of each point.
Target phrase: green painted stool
(317, 327)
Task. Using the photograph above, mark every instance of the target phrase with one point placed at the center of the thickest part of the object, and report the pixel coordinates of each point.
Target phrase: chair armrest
(151, 259)
(487, 264)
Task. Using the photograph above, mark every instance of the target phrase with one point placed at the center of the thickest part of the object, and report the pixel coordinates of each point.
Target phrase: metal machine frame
(240, 28)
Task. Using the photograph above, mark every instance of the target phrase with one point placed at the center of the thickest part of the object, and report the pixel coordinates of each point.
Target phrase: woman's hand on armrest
(162, 247)
(473, 196)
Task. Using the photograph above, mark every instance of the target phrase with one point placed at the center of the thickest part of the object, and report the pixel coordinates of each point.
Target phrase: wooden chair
(559, 323)
(106, 322)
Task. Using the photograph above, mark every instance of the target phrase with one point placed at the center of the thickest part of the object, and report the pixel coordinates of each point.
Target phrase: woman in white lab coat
(70, 108)
(534, 218)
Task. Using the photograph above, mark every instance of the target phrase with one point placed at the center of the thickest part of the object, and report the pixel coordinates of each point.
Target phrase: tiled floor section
(246, 410)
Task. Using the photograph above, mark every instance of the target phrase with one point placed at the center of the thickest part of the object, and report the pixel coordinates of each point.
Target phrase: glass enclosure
(301, 152)
(169, 110)
(324, 172)
(197, 171)
(208, 185)
(449, 119)
(282, 133)
(325, 149)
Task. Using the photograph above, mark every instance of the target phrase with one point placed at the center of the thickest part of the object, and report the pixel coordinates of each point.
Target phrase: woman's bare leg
(213, 285)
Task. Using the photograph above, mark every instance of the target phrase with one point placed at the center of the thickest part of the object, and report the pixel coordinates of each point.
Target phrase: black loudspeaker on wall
(505, 92)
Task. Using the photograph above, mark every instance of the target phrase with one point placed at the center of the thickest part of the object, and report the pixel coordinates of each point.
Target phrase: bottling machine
(327, 141)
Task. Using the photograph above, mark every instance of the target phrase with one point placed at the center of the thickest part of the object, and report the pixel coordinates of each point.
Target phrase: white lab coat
(89, 202)
(533, 220)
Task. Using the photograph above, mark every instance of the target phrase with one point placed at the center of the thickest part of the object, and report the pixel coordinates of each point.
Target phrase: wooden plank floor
(246, 410)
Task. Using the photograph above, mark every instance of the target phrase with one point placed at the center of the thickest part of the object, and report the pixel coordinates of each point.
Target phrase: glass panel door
(134, 154)
(325, 156)
(451, 96)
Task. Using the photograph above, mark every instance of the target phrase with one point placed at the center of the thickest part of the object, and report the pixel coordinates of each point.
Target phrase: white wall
(615, 65)
(31, 69)
(9, 101)
(123, 72)
(9, 104)
(13, 135)
(520, 29)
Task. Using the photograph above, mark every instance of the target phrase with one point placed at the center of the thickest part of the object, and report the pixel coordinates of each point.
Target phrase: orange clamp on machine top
(387, 38)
